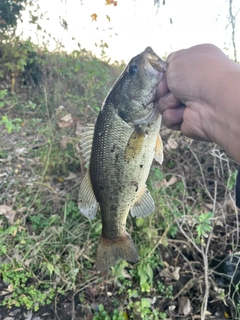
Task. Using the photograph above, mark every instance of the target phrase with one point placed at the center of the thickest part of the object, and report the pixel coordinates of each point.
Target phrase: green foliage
(10, 12)
(24, 292)
(11, 124)
(203, 224)
(101, 314)
(55, 243)
(165, 291)
(232, 180)
(165, 209)
(3, 94)
(142, 309)
(145, 273)
(20, 58)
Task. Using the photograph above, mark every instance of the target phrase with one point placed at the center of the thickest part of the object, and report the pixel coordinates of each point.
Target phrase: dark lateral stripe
(238, 189)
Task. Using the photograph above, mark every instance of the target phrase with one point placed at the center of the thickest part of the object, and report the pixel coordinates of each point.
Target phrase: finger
(169, 58)
(162, 88)
(173, 118)
(168, 101)
(172, 56)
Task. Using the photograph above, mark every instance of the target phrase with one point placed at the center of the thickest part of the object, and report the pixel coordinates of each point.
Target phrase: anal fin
(144, 205)
(87, 202)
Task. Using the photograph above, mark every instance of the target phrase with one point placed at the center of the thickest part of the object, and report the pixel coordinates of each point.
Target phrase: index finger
(162, 88)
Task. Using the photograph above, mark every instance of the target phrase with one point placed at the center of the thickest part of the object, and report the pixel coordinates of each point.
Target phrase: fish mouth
(157, 67)
(153, 63)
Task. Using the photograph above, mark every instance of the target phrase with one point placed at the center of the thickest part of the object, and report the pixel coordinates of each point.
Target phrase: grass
(47, 249)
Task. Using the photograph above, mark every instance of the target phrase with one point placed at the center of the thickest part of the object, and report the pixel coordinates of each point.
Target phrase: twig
(233, 24)
(202, 174)
(159, 241)
(187, 286)
(237, 223)
(91, 281)
(205, 263)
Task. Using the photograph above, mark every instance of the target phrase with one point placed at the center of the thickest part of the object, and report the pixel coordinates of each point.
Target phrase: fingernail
(170, 99)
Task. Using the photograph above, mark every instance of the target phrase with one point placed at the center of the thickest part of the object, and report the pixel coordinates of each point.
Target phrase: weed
(101, 314)
(203, 224)
(144, 310)
(49, 242)
(165, 291)
(3, 94)
(11, 124)
(232, 180)
(22, 289)
(145, 273)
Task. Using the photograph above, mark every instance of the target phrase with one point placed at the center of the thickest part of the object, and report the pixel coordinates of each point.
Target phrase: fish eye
(133, 69)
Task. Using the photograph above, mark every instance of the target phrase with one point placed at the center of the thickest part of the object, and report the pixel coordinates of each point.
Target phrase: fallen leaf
(65, 140)
(171, 308)
(66, 121)
(3, 175)
(8, 212)
(184, 306)
(172, 143)
(170, 182)
(60, 108)
(4, 293)
(94, 17)
(21, 150)
(70, 176)
(79, 129)
(108, 2)
(10, 288)
(171, 272)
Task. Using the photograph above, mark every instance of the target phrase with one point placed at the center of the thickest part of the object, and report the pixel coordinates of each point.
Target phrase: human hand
(201, 96)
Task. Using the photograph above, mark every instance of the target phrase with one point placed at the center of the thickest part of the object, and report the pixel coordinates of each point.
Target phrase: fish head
(134, 93)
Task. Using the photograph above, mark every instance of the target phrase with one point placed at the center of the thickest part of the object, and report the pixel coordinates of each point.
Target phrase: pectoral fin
(144, 205)
(134, 145)
(158, 156)
(87, 202)
(86, 142)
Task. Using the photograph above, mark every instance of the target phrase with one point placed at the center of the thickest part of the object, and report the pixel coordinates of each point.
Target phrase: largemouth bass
(119, 150)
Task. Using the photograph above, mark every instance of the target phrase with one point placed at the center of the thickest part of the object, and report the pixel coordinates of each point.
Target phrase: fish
(119, 150)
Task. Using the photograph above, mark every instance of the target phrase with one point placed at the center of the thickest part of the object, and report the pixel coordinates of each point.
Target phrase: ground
(189, 247)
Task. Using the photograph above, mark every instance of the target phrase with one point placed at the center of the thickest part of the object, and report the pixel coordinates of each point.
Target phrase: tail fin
(109, 251)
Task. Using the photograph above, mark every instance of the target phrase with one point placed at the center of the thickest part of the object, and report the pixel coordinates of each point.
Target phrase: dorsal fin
(86, 142)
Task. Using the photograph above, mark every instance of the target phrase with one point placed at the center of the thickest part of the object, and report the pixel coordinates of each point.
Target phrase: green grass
(49, 249)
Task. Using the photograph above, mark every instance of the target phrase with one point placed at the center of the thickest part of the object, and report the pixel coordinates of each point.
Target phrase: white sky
(136, 24)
